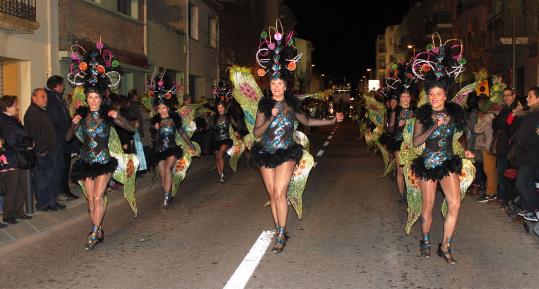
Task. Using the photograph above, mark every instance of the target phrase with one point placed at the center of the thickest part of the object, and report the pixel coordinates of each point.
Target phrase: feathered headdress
(162, 89)
(400, 78)
(277, 54)
(440, 64)
(94, 69)
(222, 92)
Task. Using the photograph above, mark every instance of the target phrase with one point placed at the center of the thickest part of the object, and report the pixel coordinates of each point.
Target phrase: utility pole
(514, 42)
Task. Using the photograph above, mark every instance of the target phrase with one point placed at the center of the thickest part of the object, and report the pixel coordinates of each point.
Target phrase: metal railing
(20, 8)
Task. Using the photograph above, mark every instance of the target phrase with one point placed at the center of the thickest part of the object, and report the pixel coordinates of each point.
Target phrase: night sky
(334, 54)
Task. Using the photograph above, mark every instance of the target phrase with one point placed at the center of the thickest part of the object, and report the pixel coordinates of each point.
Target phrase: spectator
(527, 157)
(40, 129)
(16, 142)
(500, 126)
(3, 163)
(59, 116)
(483, 141)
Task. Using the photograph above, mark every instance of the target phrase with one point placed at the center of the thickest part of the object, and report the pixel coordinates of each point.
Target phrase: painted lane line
(320, 153)
(326, 143)
(330, 137)
(247, 267)
(314, 165)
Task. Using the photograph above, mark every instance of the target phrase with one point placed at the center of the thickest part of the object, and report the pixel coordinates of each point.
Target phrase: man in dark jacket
(527, 157)
(501, 135)
(40, 129)
(59, 116)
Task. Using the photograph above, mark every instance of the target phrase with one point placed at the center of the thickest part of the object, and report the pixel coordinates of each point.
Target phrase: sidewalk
(77, 209)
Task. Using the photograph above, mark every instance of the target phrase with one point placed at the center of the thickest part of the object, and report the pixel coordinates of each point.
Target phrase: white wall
(36, 54)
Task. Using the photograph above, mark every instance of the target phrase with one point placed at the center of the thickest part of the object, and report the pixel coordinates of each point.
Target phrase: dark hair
(132, 93)
(7, 101)
(535, 90)
(508, 88)
(54, 81)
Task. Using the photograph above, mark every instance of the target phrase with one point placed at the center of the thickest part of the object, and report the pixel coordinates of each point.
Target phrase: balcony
(500, 29)
(18, 16)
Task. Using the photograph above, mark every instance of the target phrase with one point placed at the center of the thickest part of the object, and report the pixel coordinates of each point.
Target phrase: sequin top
(221, 129)
(404, 115)
(95, 132)
(280, 133)
(438, 140)
(439, 146)
(166, 138)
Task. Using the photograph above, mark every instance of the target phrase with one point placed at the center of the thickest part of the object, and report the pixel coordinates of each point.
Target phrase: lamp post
(369, 70)
(411, 46)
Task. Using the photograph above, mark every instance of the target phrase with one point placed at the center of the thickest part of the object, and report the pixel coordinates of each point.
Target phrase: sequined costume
(400, 114)
(277, 144)
(94, 129)
(438, 159)
(165, 137)
(220, 129)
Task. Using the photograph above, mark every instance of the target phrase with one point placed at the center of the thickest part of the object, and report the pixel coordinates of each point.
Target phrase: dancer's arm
(307, 121)
(262, 124)
(392, 119)
(123, 123)
(186, 138)
(421, 136)
(75, 123)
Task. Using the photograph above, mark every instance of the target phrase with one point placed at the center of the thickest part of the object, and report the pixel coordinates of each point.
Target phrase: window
(193, 22)
(127, 7)
(212, 32)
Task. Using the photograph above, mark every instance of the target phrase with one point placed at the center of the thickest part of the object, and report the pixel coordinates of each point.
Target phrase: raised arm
(123, 123)
(306, 121)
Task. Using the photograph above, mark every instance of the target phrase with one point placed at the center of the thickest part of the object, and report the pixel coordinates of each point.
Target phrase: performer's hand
(274, 111)
(238, 136)
(402, 123)
(156, 126)
(76, 119)
(113, 114)
(192, 151)
(469, 154)
(442, 120)
(339, 116)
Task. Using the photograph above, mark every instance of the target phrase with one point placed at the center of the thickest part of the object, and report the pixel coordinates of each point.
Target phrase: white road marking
(330, 137)
(247, 267)
(320, 153)
(326, 143)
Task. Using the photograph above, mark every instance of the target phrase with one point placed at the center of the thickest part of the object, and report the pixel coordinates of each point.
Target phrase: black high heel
(167, 200)
(447, 255)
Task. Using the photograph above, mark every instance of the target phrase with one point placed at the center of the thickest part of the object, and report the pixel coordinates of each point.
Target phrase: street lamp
(411, 46)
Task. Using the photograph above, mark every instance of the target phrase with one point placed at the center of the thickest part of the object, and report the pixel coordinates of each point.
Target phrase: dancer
(436, 124)
(167, 125)
(93, 123)
(277, 153)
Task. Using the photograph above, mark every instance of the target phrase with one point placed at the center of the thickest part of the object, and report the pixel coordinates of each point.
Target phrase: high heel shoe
(446, 254)
(222, 178)
(280, 241)
(93, 240)
(425, 246)
(167, 200)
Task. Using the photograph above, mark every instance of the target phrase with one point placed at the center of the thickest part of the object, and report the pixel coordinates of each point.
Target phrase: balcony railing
(25, 9)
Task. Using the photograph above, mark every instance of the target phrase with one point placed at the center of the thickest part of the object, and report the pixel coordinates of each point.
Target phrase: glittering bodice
(167, 135)
(439, 145)
(95, 132)
(221, 129)
(404, 115)
(280, 133)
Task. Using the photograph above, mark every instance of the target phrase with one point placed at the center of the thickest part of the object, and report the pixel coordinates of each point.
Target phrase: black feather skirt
(262, 158)
(175, 151)
(216, 145)
(82, 170)
(452, 165)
